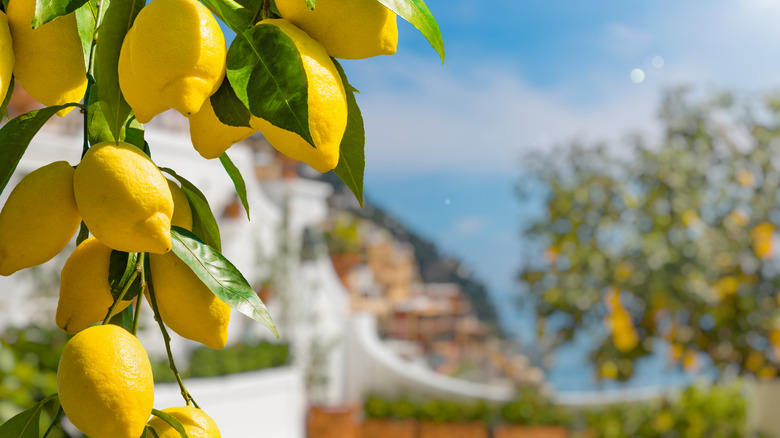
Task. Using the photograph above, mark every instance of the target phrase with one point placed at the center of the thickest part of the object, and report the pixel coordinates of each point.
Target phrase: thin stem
(138, 270)
(263, 10)
(138, 300)
(54, 422)
(153, 301)
(90, 78)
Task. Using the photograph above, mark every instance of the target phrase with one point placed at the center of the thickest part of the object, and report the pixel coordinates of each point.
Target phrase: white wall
(268, 403)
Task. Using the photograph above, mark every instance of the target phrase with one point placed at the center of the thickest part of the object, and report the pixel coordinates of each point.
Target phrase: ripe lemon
(39, 218)
(85, 295)
(49, 59)
(186, 305)
(6, 56)
(173, 57)
(327, 105)
(124, 199)
(105, 383)
(349, 29)
(210, 137)
(182, 212)
(196, 423)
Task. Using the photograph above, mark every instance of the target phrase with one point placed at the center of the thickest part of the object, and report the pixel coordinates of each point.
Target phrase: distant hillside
(434, 267)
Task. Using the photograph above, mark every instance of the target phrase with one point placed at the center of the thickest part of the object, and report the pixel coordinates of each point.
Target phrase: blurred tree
(674, 242)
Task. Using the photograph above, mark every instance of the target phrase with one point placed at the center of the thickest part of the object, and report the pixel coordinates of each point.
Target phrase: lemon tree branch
(167, 338)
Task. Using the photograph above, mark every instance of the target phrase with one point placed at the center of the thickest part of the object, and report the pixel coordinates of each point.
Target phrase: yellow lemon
(210, 137)
(195, 422)
(7, 59)
(763, 240)
(39, 218)
(186, 305)
(182, 212)
(349, 29)
(124, 199)
(49, 59)
(85, 295)
(173, 57)
(105, 384)
(327, 106)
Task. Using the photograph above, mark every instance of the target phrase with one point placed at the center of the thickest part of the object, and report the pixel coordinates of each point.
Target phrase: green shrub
(239, 358)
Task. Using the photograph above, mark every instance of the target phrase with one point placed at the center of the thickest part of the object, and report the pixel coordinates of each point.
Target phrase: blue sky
(444, 142)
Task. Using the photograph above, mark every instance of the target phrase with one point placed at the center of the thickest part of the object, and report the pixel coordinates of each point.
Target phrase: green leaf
(151, 432)
(228, 108)
(266, 72)
(238, 180)
(170, 419)
(99, 131)
(8, 94)
(352, 158)
(220, 276)
(16, 135)
(237, 17)
(24, 424)
(204, 225)
(133, 133)
(48, 10)
(417, 13)
(83, 233)
(124, 318)
(86, 20)
(116, 22)
(120, 269)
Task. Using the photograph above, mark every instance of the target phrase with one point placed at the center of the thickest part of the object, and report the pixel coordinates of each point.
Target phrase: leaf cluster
(672, 228)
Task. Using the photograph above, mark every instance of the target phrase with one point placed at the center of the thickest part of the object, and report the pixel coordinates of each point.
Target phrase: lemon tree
(667, 248)
(145, 232)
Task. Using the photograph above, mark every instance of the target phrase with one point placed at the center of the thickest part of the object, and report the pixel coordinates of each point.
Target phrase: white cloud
(469, 225)
(624, 40)
(479, 118)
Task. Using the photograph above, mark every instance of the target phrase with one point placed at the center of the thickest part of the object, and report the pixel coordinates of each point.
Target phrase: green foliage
(240, 358)
(531, 408)
(440, 411)
(679, 235)
(28, 373)
(417, 13)
(204, 224)
(228, 108)
(352, 154)
(266, 71)
(48, 10)
(173, 421)
(238, 180)
(119, 17)
(717, 411)
(220, 276)
(16, 135)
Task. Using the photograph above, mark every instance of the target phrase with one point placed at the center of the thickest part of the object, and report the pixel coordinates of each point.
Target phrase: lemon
(124, 199)
(39, 218)
(49, 59)
(327, 105)
(349, 29)
(173, 57)
(7, 59)
(186, 305)
(210, 137)
(104, 382)
(85, 295)
(182, 212)
(195, 422)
